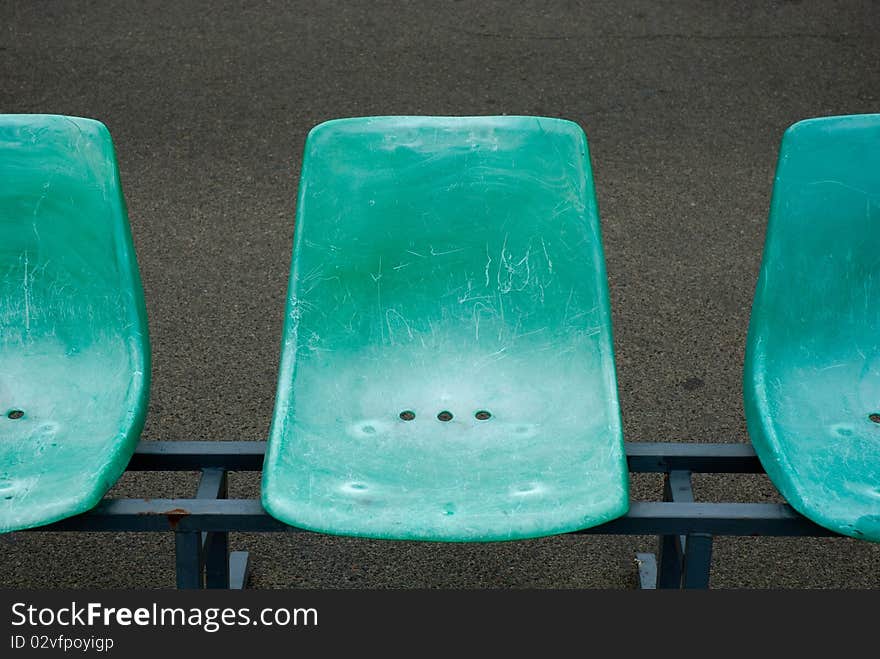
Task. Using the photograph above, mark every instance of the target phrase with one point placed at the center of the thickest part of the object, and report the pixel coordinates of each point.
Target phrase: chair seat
(447, 370)
(812, 376)
(74, 352)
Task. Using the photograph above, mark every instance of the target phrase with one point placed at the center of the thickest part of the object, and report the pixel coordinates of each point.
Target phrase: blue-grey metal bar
(681, 489)
(212, 484)
(643, 457)
(697, 561)
(195, 456)
(215, 544)
(670, 551)
(694, 551)
(702, 458)
(643, 518)
(188, 559)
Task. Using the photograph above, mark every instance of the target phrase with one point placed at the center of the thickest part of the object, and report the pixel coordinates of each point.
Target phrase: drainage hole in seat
(445, 415)
(483, 415)
(407, 415)
(15, 414)
(875, 417)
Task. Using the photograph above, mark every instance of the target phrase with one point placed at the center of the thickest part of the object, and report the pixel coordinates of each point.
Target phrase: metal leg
(222, 568)
(215, 544)
(239, 570)
(697, 561)
(216, 560)
(676, 487)
(669, 562)
(667, 568)
(188, 555)
(647, 570)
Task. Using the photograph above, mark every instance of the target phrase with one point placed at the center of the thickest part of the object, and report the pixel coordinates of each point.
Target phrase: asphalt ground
(209, 103)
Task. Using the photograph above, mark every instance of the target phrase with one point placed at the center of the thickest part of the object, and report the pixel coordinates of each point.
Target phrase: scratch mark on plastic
(488, 263)
(402, 319)
(27, 296)
(377, 279)
(451, 251)
(477, 312)
(547, 256)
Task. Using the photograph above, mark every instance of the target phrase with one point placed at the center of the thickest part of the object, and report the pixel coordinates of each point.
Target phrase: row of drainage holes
(446, 415)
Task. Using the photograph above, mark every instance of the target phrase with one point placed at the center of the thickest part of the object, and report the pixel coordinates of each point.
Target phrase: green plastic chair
(74, 352)
(812, 372)
(447, 370)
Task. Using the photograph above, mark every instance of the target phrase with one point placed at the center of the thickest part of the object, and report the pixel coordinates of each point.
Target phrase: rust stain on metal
(174, 516)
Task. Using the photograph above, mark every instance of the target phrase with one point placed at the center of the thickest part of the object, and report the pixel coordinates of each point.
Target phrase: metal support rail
(202, 524)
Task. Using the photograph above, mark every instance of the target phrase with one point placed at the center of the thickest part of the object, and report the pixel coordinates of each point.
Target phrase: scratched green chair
(74, 353)
(447, 370)
(812, 374)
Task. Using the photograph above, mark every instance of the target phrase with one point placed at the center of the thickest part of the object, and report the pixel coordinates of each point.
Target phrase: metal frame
(201, 525)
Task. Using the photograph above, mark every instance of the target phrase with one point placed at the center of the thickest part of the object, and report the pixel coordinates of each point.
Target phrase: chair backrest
(812, 372)
(74, 349)
(448, 327)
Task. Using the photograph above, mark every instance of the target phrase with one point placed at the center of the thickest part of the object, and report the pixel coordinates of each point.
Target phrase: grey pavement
(209, 103)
